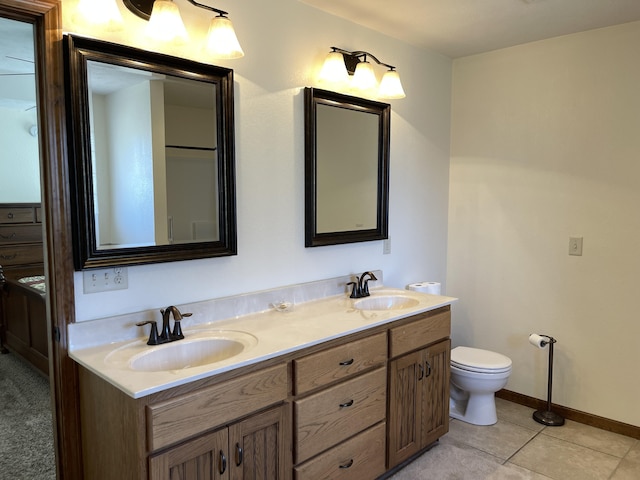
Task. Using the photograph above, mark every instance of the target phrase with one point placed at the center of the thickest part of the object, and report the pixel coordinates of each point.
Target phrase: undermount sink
(385, 302)
(195, 350)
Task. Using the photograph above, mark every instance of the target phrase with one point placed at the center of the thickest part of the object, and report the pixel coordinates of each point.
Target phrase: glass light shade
(104, 13)
(390, 86)
(334, 70)
(165, 23)
(364, 78)
(221, 39)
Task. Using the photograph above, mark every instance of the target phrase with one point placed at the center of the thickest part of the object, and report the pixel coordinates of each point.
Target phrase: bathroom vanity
(369, 392)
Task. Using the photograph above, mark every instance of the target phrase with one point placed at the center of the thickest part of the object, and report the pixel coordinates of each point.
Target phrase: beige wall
(546, 145)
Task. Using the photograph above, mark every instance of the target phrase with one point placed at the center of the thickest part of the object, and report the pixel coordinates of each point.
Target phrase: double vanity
(301, 382)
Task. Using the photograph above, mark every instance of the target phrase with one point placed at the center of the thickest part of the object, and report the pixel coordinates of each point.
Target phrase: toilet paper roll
(425, 287)
(537, 340)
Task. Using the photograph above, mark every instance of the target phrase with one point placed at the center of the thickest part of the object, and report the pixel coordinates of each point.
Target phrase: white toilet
(476, 375)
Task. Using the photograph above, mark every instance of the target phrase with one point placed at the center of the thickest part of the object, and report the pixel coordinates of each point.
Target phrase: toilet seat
(479, 361)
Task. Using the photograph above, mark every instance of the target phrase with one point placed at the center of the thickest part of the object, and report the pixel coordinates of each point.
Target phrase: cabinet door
(435, 411)
(205, 458)
(406, 375)
(258, 445)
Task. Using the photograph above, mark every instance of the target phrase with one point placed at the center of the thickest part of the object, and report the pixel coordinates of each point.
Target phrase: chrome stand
(547, 417)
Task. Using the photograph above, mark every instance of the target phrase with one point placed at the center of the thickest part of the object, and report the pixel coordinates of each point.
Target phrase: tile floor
(517, 447)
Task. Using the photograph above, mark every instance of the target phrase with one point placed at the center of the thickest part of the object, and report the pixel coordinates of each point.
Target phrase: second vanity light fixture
(165, 23)
(340, 63)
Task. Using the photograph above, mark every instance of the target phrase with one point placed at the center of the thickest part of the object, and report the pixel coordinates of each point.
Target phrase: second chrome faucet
(166, 335)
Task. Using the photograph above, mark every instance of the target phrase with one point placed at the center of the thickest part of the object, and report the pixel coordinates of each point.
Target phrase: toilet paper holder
(547, 417)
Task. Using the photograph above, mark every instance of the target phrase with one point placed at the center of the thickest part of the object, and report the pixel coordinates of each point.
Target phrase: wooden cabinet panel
(16, 214)
(415, 335)
(339, 362)
(339, 412)
(20, 233)
(201, 459)
(360, 457)
(435, 413)
(405, 401)
(183, 417)
(258, 445)
(418, 401)
(21, 254)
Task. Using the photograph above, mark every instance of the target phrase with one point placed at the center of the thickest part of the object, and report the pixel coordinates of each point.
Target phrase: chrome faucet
(361, 285)
(166, 335)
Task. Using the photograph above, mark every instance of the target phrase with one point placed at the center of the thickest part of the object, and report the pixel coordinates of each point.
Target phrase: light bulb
(390, 86)
(364, 78)
(221, 39)
(103, 13)
(334, 70)
(165, 23)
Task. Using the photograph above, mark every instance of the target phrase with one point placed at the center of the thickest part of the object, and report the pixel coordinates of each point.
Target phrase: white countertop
(277, 333)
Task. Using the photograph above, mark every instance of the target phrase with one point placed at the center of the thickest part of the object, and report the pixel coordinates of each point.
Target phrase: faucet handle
(153, 335)
(177, 329)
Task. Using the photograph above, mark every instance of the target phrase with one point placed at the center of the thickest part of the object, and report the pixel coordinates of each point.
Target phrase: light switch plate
(575, 246)
(105, 279)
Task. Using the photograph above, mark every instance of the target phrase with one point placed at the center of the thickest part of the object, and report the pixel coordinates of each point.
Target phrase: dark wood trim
(46, 16)
(571, 414)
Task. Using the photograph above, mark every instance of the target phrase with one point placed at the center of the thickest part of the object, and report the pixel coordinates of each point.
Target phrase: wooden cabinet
(254, 448)
(344, 412)
(351, 409)
(418, 387)
(21, 249)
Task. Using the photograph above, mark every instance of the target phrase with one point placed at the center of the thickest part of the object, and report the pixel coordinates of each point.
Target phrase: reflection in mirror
(347, 168)
(155, 168)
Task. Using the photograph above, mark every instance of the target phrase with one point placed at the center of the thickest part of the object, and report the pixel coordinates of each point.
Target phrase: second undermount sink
(385, 302)
(197, 349)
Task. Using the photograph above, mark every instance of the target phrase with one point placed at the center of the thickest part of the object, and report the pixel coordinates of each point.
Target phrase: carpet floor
(26, 432)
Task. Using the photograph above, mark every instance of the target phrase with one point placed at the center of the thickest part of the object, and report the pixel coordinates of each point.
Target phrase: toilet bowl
(476, 375)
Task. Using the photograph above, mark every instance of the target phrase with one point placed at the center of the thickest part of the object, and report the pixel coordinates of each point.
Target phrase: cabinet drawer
(17, 215)
(21, 254)
(359, 457)
(339, 362)
(183, 417)
(20, 233)
(419, 333)
(326, 418)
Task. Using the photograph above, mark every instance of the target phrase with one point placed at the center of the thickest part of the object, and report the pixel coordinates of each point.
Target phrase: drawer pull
(348, 362)
(8, 237)
(348, 464)
(8, 257)
(421, 371)
(428, 369)
(223, 463)
(239, 454)
(347, 404)
(9, 215)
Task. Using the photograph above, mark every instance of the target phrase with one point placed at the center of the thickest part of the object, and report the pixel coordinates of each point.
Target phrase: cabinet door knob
(347, 404)
(348, 464)
(347, 362)
(223, 463)
(10, 215)
(239, 454)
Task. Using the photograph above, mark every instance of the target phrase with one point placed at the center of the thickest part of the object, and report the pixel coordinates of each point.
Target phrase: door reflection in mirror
(153, 145)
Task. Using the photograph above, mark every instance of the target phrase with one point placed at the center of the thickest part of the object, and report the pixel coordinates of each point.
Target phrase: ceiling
(457, 28)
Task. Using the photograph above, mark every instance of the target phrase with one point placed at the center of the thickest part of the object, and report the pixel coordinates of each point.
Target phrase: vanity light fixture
(104, 13)
(340, 63)
(221, 42)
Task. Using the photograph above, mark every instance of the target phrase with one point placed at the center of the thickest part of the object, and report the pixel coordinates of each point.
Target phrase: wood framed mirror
(346, 168)
(152, 155)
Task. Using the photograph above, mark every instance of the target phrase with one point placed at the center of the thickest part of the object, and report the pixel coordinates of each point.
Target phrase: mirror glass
(152, 144)
(347, 168)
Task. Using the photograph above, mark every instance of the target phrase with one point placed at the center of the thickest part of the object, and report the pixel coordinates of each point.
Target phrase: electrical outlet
(105, 279)
(575, 246)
